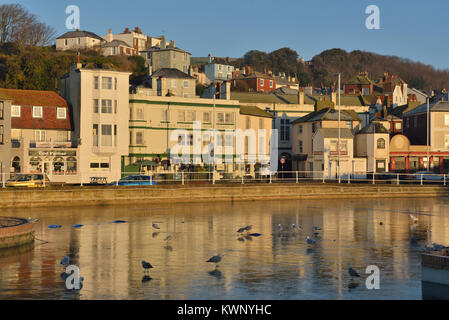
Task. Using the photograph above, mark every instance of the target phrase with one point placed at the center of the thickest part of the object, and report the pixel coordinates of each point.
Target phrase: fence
(183, 178)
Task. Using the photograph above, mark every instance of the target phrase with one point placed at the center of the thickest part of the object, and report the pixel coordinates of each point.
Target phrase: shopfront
(53, 162)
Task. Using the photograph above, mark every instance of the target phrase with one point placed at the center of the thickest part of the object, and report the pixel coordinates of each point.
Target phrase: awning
(146, 163)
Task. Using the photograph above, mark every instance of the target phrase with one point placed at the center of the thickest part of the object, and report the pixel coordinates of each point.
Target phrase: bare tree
(19, 26)
(11, 16)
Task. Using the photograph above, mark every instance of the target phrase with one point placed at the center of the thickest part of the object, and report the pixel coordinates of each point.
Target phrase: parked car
(426, 175)
(28, 180)
(135, 180)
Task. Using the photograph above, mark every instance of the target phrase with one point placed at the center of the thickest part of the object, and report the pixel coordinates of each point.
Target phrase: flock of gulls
(244, 233)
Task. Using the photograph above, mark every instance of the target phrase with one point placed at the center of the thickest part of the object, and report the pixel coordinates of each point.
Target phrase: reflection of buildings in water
(110, 254)
(104, 259)
(439, 225)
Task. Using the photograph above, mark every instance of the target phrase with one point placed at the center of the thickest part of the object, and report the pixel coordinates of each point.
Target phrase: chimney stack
(300, 96)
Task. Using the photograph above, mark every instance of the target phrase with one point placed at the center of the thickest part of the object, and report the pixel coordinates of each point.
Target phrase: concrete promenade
(91, 196)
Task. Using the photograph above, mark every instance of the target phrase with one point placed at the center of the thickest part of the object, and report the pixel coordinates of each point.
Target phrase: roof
(49, 100)
(158, 49)
(221, 61)
(116, 43)
(80, 34)
(433, 106)
(255, 111)
(171, 73)
(253, 97)
(373, 128)
(359, 79)
(345, 133)
(279, 80)
(33, 98)
(257, 74)
(329, 115)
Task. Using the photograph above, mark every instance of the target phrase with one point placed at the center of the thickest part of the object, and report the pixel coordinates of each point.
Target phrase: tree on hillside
(259, 60)
(284, 60)
(19, 26)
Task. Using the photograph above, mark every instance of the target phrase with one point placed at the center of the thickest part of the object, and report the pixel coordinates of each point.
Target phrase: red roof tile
(49, 100)
(33, 98)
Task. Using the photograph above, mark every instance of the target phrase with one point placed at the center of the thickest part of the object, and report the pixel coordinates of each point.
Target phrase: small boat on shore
(16, 232)
(435, 273)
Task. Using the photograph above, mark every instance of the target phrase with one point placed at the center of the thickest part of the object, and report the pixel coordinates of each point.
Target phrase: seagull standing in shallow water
(353, 273)
(310, 240)
(155, 226)
(215, 259)
(146, 265)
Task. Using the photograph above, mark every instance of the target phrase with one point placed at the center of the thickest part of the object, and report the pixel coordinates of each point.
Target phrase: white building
(99, 99)
(79, 39)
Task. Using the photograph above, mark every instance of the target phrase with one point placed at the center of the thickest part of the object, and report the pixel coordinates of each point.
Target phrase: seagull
(155, 226)
(65, 261)
(241, 230)
(310, 241)
(215, 259)
(146, 265)
(353, 273)
(247, 228)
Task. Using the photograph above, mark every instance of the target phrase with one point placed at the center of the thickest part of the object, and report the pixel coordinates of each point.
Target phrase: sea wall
(90, 196)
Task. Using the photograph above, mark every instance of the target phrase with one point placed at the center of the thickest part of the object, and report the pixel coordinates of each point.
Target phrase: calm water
(272, 266)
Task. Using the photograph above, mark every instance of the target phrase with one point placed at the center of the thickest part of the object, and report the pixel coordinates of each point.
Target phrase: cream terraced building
(99, 99)
(154, 119)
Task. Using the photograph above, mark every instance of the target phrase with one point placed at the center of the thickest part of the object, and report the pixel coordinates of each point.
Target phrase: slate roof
(329, 114)
(345, 133)
(373, 128)
(256, 75)
(255, 111)
(116, 43)
(433, 106)
(157, 49)
(80, 34)
(171, 73)
(359, 79)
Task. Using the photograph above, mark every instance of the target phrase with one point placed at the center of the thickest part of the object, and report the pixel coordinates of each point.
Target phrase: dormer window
(61, 113)
(15, 111)
(37, 112)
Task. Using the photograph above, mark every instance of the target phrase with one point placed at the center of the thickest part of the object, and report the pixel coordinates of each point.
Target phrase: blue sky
(411, 29)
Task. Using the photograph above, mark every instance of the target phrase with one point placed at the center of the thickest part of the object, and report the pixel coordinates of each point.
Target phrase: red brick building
(359, 84)
(255, 82)
(41, 128)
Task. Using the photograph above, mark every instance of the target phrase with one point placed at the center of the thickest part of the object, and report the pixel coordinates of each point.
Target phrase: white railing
(185, 178)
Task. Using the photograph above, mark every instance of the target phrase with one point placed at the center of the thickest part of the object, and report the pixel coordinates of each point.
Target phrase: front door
(380, 165)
